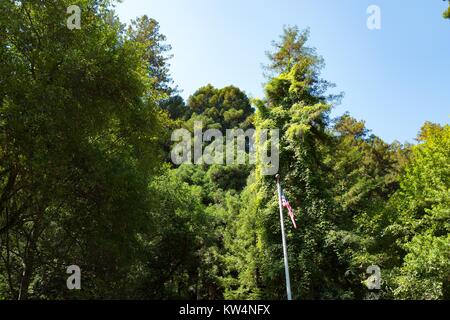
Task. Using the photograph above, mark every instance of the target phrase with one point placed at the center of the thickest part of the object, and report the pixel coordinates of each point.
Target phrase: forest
(86, 177)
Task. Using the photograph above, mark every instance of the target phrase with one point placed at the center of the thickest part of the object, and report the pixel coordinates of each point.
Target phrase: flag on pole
(287, 205)
(282, 201)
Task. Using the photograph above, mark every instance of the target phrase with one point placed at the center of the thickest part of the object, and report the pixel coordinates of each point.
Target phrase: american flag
(285, 204)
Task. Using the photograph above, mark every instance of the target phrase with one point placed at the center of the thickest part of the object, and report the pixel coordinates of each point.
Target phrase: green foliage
(85, 176)
(176, 108)
(365, 175)
(145, 31)
(171, 248)
(426, 269)
(423, 223)
(446, 13)
(295, 105)
(225, 108)
(79, 126)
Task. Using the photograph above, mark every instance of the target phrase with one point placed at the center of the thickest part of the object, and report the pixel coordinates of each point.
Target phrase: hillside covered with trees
(86, 176)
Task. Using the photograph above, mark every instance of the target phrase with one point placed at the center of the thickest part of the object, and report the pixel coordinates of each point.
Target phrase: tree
(295, 103)
(146, 31)
(85, 175)
(225, 108)
(217, 186)
(365, 174)
(447, 12)
(423, 218)
(78, 133)
(170, 258)
(176, 108)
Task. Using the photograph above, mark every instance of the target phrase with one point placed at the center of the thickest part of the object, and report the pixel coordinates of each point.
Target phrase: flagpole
(283, 236)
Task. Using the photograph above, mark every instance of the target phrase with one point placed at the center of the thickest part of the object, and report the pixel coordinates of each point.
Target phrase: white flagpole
(283, 236)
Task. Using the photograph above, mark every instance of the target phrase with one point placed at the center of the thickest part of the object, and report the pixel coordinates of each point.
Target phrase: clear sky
(395, 78)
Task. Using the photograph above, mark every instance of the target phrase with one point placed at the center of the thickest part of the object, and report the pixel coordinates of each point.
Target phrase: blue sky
(395, 78)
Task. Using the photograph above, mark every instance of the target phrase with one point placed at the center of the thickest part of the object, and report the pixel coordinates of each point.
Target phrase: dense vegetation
(86, 178)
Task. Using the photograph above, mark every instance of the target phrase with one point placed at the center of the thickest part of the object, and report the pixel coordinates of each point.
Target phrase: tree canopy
(447, 12)
(86, 117)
